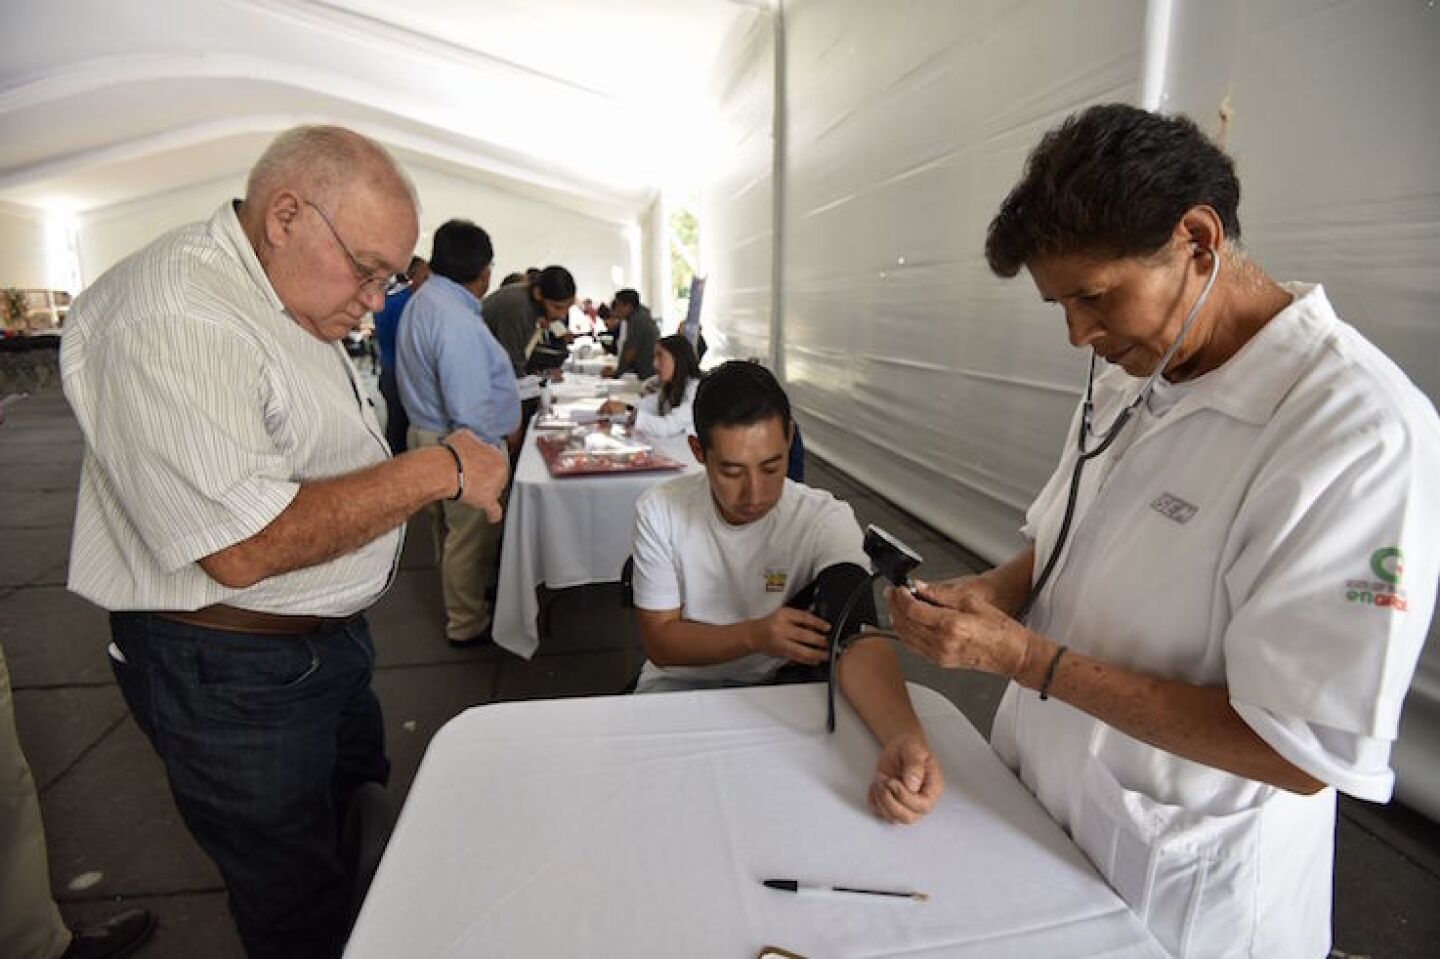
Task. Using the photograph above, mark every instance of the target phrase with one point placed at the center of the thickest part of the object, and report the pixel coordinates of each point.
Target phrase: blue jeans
(265, 739)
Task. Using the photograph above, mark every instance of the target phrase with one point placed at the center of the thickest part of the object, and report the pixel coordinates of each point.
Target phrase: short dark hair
(628, 296)
(1111, 181)
(554, 283)
(512, 278)
(461, 251)
(738, 393)
(415, 263)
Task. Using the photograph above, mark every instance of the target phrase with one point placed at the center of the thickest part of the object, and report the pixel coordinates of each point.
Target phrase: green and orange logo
(1387, 565)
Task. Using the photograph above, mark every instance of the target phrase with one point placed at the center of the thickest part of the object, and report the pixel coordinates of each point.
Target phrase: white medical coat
(1272, 531)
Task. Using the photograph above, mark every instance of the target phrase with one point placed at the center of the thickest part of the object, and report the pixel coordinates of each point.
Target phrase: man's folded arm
(334, 516)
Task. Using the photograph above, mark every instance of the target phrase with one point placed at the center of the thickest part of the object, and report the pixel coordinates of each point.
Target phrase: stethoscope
(1102, 441)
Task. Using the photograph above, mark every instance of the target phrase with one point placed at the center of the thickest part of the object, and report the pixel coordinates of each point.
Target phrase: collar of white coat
(225, 227)
(1250, 385)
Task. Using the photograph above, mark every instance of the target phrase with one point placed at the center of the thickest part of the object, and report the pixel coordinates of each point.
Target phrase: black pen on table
(839, 892)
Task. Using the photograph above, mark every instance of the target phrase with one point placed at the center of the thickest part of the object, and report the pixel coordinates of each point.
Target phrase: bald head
(324, 163)
(331, 216)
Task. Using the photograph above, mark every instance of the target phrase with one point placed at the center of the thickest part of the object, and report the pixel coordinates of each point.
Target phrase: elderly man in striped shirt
(239, 509)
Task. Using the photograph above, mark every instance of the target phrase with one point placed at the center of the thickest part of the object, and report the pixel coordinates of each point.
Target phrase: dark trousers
(397, 422)
(265, 739)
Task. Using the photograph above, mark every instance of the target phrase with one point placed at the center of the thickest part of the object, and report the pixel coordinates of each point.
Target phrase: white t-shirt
(688, 558)
(679, 421)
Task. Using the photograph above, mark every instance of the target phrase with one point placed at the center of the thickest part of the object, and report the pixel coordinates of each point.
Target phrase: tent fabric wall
(656, 244)
(22, 250)
(110, 234)
(526, 232)
(737, 199)
(910, 365)
(949, 391)
(1337, 140)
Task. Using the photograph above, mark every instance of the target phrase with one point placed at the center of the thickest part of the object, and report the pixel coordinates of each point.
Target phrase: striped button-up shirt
(204, 407)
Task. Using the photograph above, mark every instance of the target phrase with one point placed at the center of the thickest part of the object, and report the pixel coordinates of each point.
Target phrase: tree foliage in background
(684, 250)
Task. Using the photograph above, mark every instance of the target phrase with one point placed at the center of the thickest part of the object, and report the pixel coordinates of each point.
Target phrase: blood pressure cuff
(826, 596)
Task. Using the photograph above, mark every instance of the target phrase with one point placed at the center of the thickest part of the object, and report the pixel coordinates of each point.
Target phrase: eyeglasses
(369, 280)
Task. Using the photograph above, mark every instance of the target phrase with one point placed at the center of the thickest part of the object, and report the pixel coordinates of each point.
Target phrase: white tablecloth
(566, 532)
(585, 392)
(591, 365)
(643, 825)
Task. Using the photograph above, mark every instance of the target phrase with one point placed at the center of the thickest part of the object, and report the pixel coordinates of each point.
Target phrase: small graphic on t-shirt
(1387, 565)
(775, 580)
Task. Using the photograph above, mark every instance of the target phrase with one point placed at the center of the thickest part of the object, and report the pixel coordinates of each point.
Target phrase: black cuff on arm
(827, 594)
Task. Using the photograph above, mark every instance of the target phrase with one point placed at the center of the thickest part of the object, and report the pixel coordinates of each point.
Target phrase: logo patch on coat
(1387, 564)
(1173, 507)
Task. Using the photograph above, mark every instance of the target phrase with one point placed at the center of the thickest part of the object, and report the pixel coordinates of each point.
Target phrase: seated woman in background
(668, 411)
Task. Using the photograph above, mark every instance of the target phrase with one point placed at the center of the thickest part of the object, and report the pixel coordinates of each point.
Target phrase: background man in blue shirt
(454, 374)
(387, 324)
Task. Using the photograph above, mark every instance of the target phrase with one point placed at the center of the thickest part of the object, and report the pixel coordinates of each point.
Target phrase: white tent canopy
(848, 155)
(578, 112)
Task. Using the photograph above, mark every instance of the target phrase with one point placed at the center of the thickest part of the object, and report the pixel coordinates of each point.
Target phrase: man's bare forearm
(870, 678)
(332, 517)
(682, 642)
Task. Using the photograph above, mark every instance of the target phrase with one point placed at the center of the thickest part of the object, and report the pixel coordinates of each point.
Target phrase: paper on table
(582, 412)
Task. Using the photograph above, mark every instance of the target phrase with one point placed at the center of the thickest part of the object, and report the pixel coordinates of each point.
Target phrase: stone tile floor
(113, 831)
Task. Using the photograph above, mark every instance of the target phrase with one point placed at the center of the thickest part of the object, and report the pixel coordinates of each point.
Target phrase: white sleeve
(1332, 583)
(193, 464)
(678, 422)
(656, 576)
(838, 538)
(1351, 762)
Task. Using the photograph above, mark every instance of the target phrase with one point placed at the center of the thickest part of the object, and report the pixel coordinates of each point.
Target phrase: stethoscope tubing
(1109, 436)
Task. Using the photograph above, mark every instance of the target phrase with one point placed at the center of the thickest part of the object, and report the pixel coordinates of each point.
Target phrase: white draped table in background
(592, 365)
(588, 357)
(643, 826)
(566, 532)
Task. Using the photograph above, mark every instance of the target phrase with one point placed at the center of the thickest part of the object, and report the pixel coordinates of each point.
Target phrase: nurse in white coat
(670, 410)
(1232, 622)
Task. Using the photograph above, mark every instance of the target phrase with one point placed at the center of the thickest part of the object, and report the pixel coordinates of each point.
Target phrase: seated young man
(728, 564)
